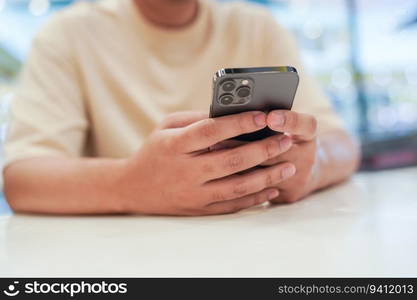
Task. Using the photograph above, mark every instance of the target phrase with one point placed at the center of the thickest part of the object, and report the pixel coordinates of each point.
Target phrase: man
(93, 129)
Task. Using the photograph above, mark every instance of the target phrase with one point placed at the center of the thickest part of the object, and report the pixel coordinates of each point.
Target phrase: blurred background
(364, 53)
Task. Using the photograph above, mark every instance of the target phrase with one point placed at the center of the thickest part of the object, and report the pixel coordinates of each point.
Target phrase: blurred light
(411, 74)
(403, 12)
(407, 112)
(2, 5)
(38, 7)
(341, 78)
(382, 79)
(300, 7)
(387, 117)
(4, 114)
(396, 92)
(313, 29)
(5, 32)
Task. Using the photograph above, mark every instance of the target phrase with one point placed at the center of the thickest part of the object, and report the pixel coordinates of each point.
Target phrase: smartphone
(248, 89)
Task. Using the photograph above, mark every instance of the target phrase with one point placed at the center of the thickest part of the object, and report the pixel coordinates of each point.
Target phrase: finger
(286, 198)
(208, 132)
(227, 162)
(182, 119)
(237, 186)
(231, 206)
(291, 155)
(303, 126)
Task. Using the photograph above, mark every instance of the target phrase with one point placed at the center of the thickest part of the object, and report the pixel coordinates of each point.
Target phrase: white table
(366, 227)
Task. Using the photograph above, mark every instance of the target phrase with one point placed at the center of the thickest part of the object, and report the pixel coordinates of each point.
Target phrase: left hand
(304, 153)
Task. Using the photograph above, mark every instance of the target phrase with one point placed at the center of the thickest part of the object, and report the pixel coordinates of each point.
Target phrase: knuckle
(244, 122)
(269, 179)
(240, 120)
(209, 128)
(271, 149)
(240, 188)
(234, 161)
(217, 196)
(280, 174)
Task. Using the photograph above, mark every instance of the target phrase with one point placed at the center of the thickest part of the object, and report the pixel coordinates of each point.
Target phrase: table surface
(365, 227)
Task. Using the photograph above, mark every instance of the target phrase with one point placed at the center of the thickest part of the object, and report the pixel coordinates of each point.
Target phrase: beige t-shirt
(99, 77)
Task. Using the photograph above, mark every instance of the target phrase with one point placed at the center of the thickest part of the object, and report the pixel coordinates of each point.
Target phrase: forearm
(64, 185)
(338, 157)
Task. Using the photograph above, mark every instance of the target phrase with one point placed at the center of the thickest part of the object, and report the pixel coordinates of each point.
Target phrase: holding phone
(248, 89)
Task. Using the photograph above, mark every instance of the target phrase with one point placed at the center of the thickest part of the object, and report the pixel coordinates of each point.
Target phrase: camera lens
(243, 91)
(226, 99)
(228, 86)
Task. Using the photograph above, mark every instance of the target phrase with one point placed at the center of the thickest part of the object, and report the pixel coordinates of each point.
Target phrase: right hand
(174, 174)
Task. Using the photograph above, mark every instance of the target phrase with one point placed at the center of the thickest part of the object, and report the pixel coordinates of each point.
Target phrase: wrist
(129, 186)
(318, 179)
(113, 186)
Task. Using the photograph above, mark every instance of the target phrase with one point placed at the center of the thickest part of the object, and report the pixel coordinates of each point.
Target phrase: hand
(304, 153)
(173, 173)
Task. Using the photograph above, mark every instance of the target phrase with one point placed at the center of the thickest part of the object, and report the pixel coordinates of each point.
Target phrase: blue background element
(4, 208)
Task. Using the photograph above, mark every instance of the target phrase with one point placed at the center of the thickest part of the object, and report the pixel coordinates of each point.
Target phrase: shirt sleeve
(47, 114)
(281, 50)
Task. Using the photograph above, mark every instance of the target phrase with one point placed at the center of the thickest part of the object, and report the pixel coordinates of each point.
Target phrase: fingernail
(288, 172)
(285, 143)
(272, 194)
(278, 119)
(260, 120)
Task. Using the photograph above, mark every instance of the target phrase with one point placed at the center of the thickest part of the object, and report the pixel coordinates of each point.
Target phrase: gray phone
(248, 89)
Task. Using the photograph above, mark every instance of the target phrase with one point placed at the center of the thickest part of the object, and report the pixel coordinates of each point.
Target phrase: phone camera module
(226, 99)
(243, 91)
(228, 85)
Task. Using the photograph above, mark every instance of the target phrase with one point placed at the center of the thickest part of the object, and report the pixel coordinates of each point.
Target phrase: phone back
(249, 89)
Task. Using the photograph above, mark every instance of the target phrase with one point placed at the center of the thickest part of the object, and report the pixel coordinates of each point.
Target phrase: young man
(93, 129)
